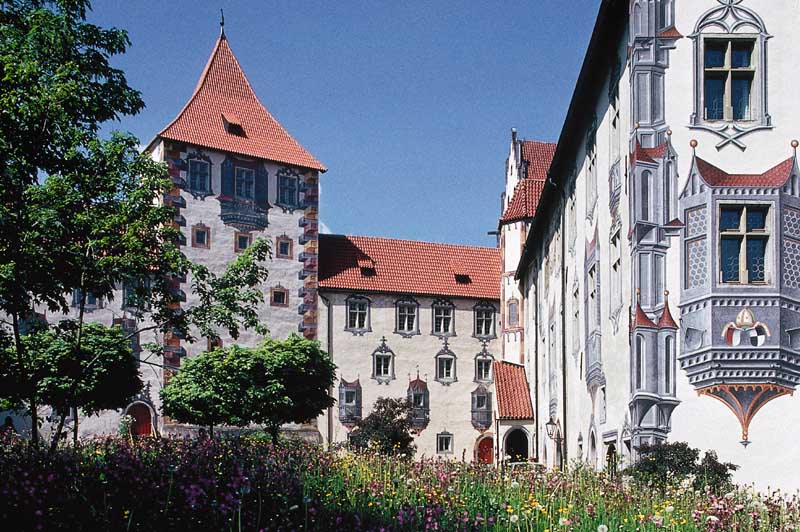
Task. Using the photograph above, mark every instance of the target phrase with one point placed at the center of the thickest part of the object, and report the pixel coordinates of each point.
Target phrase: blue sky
(409, 104)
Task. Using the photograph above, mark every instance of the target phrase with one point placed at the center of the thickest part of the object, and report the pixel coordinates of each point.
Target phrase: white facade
(623, 163)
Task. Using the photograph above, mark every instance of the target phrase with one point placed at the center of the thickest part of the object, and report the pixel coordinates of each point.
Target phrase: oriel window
(743, 243)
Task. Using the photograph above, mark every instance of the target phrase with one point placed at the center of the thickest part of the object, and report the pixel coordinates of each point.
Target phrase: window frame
(190, 175)
(247, 181)
(278, 290)
(446, 354)
(484, 306)
(198, 228)
(420, 413)
(406, 303)
(481, 417)
(442, 305)
(509, 325)
(445, 436)
(728, 72)
(236, 244)
(284, 239)
(357, 299)
(286, 177)
(381, 352)
(742, 233)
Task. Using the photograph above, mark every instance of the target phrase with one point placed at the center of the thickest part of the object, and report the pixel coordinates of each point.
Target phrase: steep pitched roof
(670, 33)
(648, 154)
(408, 267)
(666, 321)
(538, 155)
(524, 201)
(513, 393)
(716, 177)
(641, 320)
(223, 96)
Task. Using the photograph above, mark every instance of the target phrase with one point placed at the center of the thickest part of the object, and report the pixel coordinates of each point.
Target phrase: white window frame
(481, 318)
(444, 443)
(354, 301)
(406, 309)
(446, 312)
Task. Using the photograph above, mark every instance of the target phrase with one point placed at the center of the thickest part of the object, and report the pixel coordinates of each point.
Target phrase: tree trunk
(32, 404)
(211, 432)
(274, 430)
(57, 434)
(75, 426)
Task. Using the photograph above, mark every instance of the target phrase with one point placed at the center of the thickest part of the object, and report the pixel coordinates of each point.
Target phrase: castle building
(418, 320)
(659, 274)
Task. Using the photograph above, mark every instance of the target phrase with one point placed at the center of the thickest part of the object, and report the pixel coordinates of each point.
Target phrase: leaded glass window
(744, 243)
(728, 78)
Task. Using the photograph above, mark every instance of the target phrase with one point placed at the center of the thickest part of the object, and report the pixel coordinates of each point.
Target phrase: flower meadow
(247, 484)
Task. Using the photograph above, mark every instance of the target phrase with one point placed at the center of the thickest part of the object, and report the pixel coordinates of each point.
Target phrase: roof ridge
(395, 239)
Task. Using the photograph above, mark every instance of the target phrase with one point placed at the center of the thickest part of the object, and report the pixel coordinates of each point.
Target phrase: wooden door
(142, 420)
(486, 451)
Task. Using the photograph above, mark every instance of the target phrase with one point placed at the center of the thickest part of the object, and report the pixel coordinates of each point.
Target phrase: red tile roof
(670, 33)
(716, 177)
(408, 267)
(675, 223)
(641, 320)
(648, 154)
(524, 202)
(222, 95)
(513, 393)
(538, 155)
(666, 321)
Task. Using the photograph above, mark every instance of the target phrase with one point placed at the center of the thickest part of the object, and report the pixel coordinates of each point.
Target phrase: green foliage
(102, 374)
(671, 463)
(274, 383)
(387, 429)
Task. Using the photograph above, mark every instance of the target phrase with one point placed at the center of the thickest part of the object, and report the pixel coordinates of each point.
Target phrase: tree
(387, 428)
(279, 381)
(666, 463)
(105, 370)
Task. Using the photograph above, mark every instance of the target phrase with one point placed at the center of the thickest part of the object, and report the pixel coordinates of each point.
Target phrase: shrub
(672, 463)
(387, 429)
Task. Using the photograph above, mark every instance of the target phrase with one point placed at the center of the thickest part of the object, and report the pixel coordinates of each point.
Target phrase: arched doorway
(517, 445)
(593, 450)
(486, 450)
(142, 419)
(611, 460)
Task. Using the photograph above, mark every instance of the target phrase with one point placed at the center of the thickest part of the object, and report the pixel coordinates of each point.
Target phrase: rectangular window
(484, 370)
(287, 190)
(242, 241)
(616, 272)
(201, 237)
(406, 317)
(283, 247)
(442, 319)
(418, 399)
(245, 183)
(728, 74)
(591, 319)
(743, 243)
(350, 397)
(383, 365)
(444, 443)
(484, 319)
(280, 297)
(199, 179)
(481, 402)
(513, 313)
(445, 368)
(357, 314)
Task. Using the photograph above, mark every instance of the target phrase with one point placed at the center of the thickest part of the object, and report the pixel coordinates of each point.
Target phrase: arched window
(645, 196)
(640, 366)
(669, 356)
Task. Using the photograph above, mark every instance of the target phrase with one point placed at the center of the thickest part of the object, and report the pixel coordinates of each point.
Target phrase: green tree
(105, 370)
(666, 463)
(387, 428)
(279, 381)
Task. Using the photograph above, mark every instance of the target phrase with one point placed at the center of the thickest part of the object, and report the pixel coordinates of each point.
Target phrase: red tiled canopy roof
(224, 94)
(641, 320)
(716, 177)
(513, 393)
(525, 200)
(666, 321)
(648, 154)
(408, 267)
(538, 155)
(670, 33)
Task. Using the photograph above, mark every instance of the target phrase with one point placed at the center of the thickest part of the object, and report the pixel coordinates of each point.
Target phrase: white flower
(712, 519)
(602, 528)
(409, 481)
(514, 518)
(669, 509)
(514, 485)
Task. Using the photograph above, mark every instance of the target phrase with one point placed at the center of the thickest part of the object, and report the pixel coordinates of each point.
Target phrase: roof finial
(794, 146)
(693, 144)
(221, 23)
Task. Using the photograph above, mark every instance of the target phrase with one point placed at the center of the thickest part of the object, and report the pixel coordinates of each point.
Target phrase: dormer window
(233, 125)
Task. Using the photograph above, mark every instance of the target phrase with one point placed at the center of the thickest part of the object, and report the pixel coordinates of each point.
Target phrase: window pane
(756, 249)
(756, 219)
(715, 97)
(729, 218)
(480, 401)
(741, 54)
(729, 262)
(741, 97)
(715, 54)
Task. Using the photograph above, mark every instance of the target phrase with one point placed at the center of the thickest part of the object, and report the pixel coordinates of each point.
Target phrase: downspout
(536, 366)
(329, 349)
(563, 339)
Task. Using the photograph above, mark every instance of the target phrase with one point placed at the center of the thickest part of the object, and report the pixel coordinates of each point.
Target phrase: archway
(486, 450)
(593, 450)
(517, 445)
(611, 460)
(142, 419)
